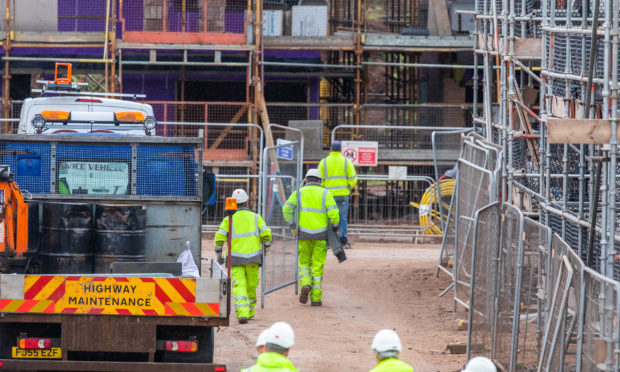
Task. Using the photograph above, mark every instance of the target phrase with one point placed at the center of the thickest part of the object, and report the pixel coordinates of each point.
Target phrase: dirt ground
(381, 285)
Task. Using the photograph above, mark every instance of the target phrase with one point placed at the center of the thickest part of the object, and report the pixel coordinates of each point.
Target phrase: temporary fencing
(281, 172)
(477, 166)
(533, 304)
(331, 114)
(196, 112)
(237, 167)
(11, 122)
(381, 198)
(425, 114)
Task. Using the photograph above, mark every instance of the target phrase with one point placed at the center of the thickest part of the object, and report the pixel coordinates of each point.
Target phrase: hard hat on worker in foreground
(386, 340)
(313, 173)
(480, 364)
(240, 195)
(280, 334)
(262, 338)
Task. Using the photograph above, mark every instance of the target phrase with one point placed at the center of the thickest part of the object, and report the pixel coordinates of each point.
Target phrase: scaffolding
(549, 87)
(564, 57)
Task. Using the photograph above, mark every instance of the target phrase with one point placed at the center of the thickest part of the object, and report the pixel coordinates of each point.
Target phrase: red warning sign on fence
(362, 153)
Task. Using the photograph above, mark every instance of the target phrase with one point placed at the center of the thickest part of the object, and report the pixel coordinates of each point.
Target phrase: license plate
(53, 353)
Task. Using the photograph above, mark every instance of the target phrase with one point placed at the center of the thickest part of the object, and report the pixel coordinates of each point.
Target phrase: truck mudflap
(113, 295)
(46, 365)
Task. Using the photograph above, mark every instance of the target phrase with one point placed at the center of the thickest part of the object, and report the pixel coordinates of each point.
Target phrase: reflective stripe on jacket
(392, 365)
(249, 229)
(271, 362)
(317, 204)
(338, 174)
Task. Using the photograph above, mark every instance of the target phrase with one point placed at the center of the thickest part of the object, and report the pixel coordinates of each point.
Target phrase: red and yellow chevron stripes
(109, 295)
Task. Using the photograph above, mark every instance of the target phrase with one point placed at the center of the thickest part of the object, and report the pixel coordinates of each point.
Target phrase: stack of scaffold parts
(429, 213)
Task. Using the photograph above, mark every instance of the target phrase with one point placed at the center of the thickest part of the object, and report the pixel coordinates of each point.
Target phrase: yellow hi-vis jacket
(317, 204)
(249, 229)
(338, 174)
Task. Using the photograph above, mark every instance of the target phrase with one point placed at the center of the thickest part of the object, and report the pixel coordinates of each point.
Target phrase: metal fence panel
(600, 322)
(474, 185)
(550, 357)
(397, 143)
(281, 176)
(531, 306)
(511, 245)
(482, 297)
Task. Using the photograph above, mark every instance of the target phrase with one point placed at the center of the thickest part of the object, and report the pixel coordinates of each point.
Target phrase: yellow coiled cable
(429, 215)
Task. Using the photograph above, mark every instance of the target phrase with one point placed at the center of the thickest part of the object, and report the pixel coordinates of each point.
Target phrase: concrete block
(313, 137)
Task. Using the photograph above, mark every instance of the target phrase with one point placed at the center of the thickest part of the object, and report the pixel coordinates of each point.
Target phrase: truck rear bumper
(63, 365)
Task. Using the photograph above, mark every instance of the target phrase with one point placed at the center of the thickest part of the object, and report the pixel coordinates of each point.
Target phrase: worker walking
(339, 177)
(317, 207)
(249, 230)
(386, 346)
(279, 340)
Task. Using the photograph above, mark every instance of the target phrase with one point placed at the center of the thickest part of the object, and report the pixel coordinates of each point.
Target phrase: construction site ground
(381, 285)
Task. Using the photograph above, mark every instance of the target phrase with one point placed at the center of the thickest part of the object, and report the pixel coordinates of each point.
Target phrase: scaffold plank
(580, 131)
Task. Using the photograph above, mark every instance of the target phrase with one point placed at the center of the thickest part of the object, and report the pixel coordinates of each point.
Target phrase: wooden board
(579, 131)
(558, 108)
(525, 47)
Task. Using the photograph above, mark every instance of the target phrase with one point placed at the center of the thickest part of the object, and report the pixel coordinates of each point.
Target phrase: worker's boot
(319, 303)
(303, 296)
(243, 320)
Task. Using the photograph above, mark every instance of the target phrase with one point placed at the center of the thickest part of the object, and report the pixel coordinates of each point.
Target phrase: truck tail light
(220, 369)
(181, 346)
(34, 343)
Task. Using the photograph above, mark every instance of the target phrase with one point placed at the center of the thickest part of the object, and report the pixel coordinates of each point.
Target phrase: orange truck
(84, 289)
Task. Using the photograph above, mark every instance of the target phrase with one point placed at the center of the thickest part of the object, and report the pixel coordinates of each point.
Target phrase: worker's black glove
(335, 228)
(220, 259)
(267, 245)
(341, 256)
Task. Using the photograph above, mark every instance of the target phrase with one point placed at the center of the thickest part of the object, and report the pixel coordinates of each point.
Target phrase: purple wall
(156, 87)
(79, 15)
(133, 13)
(175, 19)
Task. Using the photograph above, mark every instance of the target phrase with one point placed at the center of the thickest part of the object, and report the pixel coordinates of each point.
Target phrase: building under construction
(311, 64)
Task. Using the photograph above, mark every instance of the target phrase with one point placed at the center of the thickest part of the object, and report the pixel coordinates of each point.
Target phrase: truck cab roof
(89, 115)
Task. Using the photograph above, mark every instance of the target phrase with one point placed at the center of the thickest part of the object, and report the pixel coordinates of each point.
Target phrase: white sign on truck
(96, 177)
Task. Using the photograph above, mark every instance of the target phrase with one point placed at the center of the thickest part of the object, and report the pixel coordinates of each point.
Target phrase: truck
(95, 210)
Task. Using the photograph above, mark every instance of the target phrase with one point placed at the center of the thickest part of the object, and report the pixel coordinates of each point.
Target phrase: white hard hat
(262, 338)
(313, 173)
(281, 334)
(386, 340)
(480, 364)
(240, 195)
